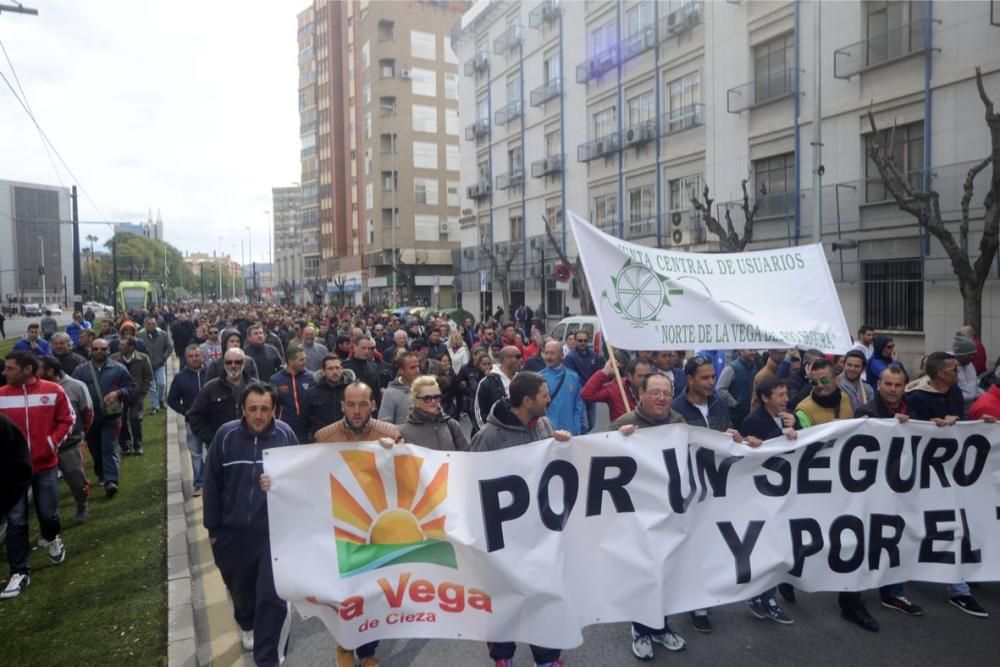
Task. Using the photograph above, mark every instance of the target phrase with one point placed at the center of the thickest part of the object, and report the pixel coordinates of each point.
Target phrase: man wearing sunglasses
(496, 386)
(211, 349)
(218, 401)
(826, 402)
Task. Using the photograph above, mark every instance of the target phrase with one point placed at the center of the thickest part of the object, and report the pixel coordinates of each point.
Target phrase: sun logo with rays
(376, 526)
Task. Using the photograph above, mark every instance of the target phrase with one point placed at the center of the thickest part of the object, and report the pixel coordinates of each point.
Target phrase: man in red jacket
(603, 388)
(43, 414)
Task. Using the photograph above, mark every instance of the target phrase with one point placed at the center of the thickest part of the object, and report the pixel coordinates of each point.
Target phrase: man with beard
(218, 400)
(138, 366)
(67, 359)
(292, 383)
(826, 402)
(322, 403)
(852, 382)
(265, 356)
(82, 348)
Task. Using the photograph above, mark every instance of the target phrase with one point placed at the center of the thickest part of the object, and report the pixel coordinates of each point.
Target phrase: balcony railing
(547, 11)
(480, 63)
(509, 39)
(508, 113)
(681, 20)
(551, 164)
(757, 92)
(639, 228)
(608, 224)
(638, 134)
(678, 120)
(479, 190)
(776, 205)
(546, 92)
(598, 65)
(606, 145)
(644, 40)
(481, 128)
(509, 180)
(878, 50)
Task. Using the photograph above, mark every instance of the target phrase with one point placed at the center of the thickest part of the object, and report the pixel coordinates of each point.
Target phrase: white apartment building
(622, 111)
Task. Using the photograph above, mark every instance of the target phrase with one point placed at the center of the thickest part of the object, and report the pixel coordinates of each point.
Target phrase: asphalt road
(943, 636)
(16, 327)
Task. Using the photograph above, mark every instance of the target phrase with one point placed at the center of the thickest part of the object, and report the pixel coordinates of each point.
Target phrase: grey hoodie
(437, 431)
(503, 429)
(396, 404)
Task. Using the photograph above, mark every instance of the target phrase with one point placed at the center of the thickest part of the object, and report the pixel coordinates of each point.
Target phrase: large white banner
(536, 542)
(652, 299)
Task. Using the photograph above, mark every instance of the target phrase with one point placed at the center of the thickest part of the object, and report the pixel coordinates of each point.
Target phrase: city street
(17, 326)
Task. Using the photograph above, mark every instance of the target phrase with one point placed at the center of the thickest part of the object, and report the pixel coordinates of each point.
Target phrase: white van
(588, 323)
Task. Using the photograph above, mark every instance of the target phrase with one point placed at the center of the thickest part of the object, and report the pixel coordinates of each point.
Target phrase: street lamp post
(250, 255)
(41, 243)
(218, 267)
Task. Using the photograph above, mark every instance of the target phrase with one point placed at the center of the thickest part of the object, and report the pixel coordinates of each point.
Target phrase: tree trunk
(972, 304)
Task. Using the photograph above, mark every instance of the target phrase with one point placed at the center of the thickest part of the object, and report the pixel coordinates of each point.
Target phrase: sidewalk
(201, 627)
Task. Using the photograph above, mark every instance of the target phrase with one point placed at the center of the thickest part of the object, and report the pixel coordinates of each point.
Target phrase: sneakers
(196, 492)
(138, 450)
(126, 450)
(82, 514)
(370, 661)
(345, 658)
(776, 613)
(700, 620)
(757, 608)
(860, 617)
(968, 604)
(246, 639)
(57, 552)
(902, 604)
(18, 582)
(787, 591)
(669, 640)
(642, 646)
(110, 489)
(43, 543)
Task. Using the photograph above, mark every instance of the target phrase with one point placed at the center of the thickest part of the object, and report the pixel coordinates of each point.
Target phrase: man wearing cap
(964, 350)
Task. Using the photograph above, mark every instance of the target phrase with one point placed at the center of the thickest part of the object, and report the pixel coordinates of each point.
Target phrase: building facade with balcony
(289, 267)
(387, 149)
(630, 109)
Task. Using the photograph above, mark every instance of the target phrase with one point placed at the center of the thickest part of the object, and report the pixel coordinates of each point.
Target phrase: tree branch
(711, 222)
(967, 192)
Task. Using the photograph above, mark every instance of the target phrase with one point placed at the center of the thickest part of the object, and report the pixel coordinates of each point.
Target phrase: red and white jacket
(41, 410)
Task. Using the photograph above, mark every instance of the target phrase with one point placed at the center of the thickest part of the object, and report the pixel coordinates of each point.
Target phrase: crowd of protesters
(253, 377)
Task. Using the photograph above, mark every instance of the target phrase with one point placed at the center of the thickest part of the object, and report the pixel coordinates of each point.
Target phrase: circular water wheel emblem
(641, 293)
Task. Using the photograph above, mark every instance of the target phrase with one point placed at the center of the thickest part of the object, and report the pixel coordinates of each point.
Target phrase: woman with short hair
(428, 425)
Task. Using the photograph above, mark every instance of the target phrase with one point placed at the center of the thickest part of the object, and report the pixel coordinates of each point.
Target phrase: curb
(181, 639)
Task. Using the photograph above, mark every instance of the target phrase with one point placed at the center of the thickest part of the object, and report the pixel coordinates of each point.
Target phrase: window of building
(424, 81)
(425, 154)
(778, 174)
(683, 102)
(369, 195)
(451, 85)
(513, 89)
(516, 226)
(390, 181)
(422, 45)
(367, 124)
(387, 143)
(452, 157)
(552, 142)
(893, 294)
(514, 159)
(638, 17)
(386, 30)
(451, 121)
(908, 152)
(774, 68)
(553, 68)
(640, 203)
(604, 123)
(425, 118)
(366, 92)
(365, 55)
(894, 29)
(453, 198)
(387, 104)
(484, 171)
(426, 227)
(483, 109)
(368, 162)
(605, 210)
(449, 52)
(387, 68)
(683, 190)
(641, 108)
(425, 190)
(603, 38)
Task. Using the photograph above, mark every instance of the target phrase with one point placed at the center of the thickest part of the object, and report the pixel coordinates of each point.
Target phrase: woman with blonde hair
(428, 425)
(457, 350)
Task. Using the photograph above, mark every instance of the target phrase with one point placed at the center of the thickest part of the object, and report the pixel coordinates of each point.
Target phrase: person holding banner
(826, 402)
(514, 421)
(235, 515)
(655, 408)
(601, 387)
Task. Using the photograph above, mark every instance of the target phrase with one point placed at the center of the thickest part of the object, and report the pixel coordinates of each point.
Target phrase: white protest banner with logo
(652, 299)
(534, 543)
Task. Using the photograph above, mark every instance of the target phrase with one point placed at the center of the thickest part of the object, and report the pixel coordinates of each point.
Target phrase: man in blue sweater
(566, 409)
(184, 390)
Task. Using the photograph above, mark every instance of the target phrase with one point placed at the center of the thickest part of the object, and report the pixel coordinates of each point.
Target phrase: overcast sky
(187, 107)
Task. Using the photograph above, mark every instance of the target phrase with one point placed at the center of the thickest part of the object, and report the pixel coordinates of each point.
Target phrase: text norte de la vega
(854, 464)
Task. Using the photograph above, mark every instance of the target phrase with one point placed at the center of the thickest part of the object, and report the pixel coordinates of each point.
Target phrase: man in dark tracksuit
(235, 515)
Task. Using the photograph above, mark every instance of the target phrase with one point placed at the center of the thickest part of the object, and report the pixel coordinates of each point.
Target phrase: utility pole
(18, 9)
(818, 168)
(77, 298)
(218, 267)
(114, 267)
(41, 243)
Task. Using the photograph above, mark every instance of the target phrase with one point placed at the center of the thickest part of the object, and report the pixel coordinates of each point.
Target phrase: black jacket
(877, 408)
(265, 357)
(15, 464)
(321, 406)
(233, 498)
(489, 392)
(182, 333)
(760, 424)
(214, 406)
(367, 372)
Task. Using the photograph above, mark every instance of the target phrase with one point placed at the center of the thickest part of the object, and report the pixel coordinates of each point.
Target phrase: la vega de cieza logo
(377, 525)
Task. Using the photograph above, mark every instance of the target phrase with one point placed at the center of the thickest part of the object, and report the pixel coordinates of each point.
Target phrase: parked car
(32, 309)
(588, 323)
(53, 308)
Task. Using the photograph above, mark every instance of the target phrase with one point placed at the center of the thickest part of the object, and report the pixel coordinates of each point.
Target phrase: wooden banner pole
(618, 375)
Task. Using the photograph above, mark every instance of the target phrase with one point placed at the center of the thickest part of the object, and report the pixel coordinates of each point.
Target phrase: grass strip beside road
(107, 602)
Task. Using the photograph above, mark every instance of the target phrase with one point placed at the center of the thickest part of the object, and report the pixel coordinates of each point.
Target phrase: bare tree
(340, 282)
(731, 241)
(407, 274)
(578, 277)
(925, 207)
(501, 262)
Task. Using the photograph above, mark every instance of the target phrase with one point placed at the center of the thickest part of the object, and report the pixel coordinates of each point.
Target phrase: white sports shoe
(57, 552)
(642, 647)
(246, 639)
(18, 582)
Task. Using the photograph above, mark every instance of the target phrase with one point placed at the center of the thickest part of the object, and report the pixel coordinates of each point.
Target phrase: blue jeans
(959, 589)
(160, 380)
(45, 489)
(197, 449)
(102, 441)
